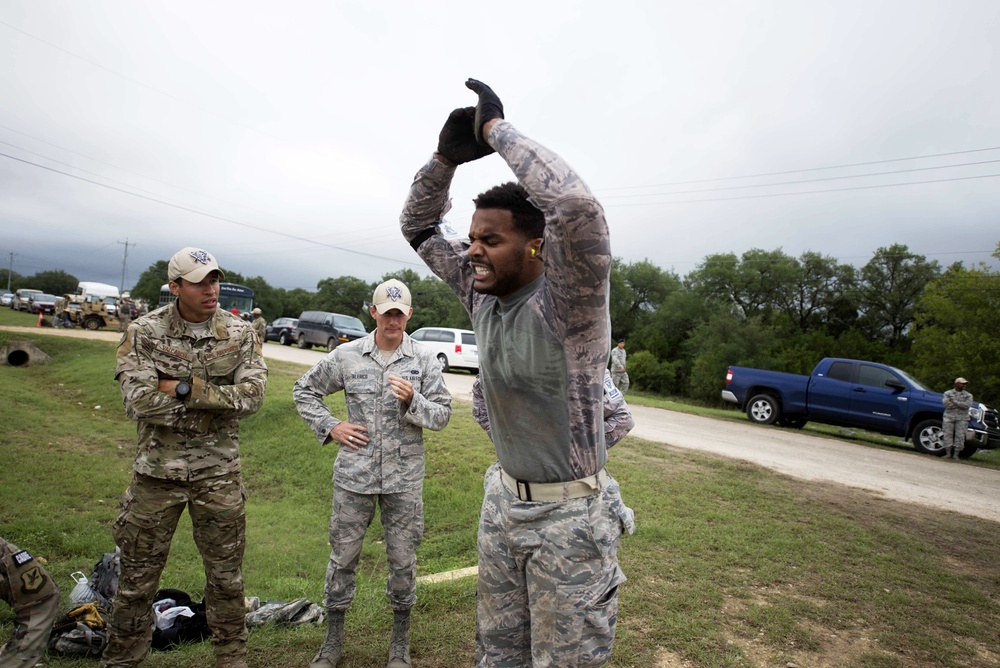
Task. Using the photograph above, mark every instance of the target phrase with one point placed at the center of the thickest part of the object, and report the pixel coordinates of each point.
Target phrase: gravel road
(903, 475)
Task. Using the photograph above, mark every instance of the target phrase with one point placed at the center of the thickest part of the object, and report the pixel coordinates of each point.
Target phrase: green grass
(732, 566)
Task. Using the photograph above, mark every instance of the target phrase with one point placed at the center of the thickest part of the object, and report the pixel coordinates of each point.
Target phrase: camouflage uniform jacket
(618, 420)
(957, 404)
(543, 350)
(617, 360)
(197, 438)
(393, 460)
(260, 328)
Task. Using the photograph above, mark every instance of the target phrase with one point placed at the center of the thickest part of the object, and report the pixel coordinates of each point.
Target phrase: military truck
(87, 311)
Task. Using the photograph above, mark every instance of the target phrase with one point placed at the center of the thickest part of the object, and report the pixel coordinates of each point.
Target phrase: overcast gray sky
(283, 136)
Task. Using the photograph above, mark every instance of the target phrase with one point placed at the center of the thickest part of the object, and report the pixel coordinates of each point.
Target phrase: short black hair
(511, 196)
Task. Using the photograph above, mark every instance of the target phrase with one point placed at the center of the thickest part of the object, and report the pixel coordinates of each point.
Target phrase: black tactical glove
(489, 107)
(457, 141)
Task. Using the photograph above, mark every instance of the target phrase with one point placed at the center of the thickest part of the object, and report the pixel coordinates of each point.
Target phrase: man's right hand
(350, 434)
(457, 141)
(489, 108)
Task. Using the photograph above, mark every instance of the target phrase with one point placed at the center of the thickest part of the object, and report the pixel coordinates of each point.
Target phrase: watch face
(182, 389)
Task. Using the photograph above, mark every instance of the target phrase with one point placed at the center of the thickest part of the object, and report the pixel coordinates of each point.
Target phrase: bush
(645, 372)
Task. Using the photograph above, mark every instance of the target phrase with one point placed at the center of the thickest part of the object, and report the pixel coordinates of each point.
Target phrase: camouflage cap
(390, 295)
(961, 381)
(192, 264)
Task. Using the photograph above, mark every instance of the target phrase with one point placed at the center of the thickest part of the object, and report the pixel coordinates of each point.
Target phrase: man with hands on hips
(393, 389)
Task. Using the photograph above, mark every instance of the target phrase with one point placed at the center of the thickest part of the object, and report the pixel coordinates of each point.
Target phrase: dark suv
(282, 330)
(322, 328)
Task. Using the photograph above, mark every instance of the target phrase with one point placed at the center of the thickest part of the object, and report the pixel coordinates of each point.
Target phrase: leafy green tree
(957, 325)
(818, 285)
(345, 294)
(636, 291)
(756, 283)
(727, 338)
(147, 287)
(890, 285)
(647, 373)
(54, 282)
(12, 278)
(291, 303)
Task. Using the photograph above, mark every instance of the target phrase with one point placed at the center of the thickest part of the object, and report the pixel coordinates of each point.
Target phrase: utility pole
(10, 270)
(125, 243)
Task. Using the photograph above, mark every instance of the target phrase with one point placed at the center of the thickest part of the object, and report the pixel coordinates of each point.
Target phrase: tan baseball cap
(391, 295)
(256, 311)
(192, 264)
(961, 381)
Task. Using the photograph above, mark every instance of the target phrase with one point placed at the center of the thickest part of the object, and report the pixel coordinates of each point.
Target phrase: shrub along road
(901, 475)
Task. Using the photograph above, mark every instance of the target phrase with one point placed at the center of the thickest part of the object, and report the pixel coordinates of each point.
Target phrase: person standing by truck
(956, 418)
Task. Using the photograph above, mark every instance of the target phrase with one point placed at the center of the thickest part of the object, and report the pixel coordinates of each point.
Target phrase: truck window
(873, 376)
(841, 371)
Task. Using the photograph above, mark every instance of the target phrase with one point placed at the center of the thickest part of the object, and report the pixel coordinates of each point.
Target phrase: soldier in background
(259, 324)
(619, 373)
(957, 403)
(34, 597)
(393, 390)
(188, 372)
(534, 279)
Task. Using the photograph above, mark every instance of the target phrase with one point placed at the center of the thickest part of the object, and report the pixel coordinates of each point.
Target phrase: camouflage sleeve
(323, 379)
(246, 395)
(576, 250)
(430, 408)
(618, 420)
(139, 380)
(425, 206)
(479, 406)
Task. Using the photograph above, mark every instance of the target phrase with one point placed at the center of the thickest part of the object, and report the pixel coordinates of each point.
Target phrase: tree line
(762, 309)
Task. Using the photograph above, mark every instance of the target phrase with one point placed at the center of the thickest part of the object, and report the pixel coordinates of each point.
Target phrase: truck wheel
(331, 343)
(763, 409)
(793, 422)
(967, 451)
(927, 438)
(93, 324)
(283, 339)
(304, 344)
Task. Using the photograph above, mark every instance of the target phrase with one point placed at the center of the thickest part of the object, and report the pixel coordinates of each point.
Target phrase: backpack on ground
(104, 579)
(80, 631)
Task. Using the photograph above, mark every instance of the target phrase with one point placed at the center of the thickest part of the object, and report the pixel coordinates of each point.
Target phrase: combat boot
(399, 646)
(957, 451)
(947, 453)
(230, 661)
(332, 649)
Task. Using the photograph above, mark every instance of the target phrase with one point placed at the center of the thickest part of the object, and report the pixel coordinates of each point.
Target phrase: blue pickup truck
(852, 393)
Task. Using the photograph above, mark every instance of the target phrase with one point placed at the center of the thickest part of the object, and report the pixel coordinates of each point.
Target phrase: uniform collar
(405, 348)
(216, 325)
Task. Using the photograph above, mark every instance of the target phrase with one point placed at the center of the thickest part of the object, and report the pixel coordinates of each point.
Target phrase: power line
(825, 178)
(210, 215)
(808, 169)
(805, 192)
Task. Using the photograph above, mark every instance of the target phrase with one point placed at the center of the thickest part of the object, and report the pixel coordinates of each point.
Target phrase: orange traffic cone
(40, 312)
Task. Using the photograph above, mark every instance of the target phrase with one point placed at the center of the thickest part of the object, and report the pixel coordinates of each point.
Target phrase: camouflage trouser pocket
(134, 531)
(583, 631)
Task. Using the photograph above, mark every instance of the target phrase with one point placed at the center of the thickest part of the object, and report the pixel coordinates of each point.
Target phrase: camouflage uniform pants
(620, 379)
(548, 578)
(150, 509)
(403, 522)
(34, 597)
(953, 433)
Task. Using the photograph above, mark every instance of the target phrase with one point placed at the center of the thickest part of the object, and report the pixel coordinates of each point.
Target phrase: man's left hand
(401, 389)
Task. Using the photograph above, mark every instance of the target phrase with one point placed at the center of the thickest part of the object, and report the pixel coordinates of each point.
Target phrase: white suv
(453, 347)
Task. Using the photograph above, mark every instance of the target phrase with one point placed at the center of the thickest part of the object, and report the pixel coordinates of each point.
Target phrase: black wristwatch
(183, 390)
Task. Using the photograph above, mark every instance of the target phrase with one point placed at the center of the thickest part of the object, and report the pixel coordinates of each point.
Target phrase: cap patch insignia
(201, 257)
(22, 557)
(393, 293)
